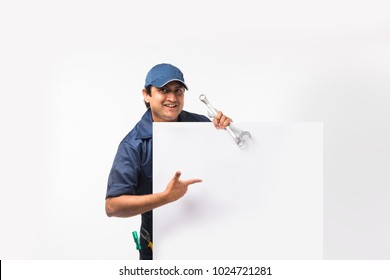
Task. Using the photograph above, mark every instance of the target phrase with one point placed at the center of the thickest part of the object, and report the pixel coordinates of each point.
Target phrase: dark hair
(149, 92)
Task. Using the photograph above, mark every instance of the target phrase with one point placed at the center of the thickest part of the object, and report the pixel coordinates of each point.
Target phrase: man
(129, 190)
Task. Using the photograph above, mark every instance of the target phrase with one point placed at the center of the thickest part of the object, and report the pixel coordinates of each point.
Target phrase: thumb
(177, 176)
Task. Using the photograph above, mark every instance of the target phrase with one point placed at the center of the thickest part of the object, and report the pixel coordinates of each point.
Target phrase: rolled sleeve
(124, 173)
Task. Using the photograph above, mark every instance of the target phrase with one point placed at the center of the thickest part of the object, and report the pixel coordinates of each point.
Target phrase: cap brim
(163, 82)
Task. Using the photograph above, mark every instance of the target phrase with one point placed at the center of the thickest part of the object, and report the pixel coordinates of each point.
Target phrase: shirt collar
(145, 125)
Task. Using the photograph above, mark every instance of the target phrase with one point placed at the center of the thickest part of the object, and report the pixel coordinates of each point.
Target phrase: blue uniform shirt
(131, 172)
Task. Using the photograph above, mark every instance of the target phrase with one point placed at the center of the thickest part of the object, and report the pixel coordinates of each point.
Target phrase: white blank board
(261, 202)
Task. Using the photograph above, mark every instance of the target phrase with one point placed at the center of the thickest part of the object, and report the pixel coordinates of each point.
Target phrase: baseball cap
(163, 73)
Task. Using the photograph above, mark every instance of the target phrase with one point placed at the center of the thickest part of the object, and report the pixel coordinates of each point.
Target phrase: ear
(146, 95)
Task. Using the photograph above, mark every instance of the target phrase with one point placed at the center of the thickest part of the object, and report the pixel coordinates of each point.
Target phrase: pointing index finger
(193, 181)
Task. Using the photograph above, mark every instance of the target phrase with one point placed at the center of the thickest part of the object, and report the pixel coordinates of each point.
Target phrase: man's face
(166, 102)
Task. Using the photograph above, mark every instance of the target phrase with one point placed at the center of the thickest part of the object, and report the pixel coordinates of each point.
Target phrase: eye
(179, 91)
(163, 90)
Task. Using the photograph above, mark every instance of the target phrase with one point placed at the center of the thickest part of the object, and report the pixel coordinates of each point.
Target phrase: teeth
(170, 105)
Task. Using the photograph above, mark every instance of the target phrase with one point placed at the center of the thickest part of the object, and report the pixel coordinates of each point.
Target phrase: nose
(171, 96)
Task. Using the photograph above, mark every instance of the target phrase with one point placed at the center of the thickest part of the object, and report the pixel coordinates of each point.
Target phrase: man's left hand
(221, 121)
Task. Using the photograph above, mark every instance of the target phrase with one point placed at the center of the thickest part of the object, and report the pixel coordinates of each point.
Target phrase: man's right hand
(177, 188)
(131, 205)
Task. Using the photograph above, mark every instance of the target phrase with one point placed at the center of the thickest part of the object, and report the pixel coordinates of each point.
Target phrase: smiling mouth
(170, 105)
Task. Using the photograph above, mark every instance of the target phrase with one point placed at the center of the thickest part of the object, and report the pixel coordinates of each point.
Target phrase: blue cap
(161, 74)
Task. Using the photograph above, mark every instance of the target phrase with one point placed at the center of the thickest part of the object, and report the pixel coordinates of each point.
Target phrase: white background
(71, 78)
